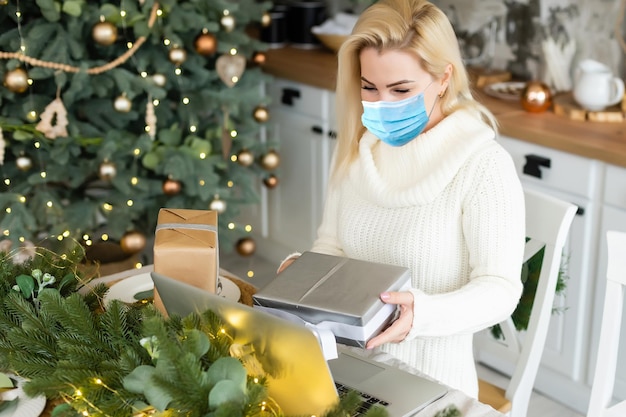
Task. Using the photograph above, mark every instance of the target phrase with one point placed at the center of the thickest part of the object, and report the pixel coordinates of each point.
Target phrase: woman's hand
(287, 262)
(401, 327)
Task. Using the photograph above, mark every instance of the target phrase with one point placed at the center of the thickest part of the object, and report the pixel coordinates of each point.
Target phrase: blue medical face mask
(396, 122)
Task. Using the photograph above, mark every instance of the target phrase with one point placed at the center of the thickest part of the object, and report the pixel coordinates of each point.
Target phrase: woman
(418, 180)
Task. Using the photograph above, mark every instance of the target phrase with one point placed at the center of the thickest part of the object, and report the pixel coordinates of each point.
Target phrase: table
(469, 407)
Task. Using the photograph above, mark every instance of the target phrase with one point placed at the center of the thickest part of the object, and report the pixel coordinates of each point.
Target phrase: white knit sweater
(449, 206)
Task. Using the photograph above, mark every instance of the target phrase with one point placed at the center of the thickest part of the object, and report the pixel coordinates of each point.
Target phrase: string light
(104, 237)
(231, 226)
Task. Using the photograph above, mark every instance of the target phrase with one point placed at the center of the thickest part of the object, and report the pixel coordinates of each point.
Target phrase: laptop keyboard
(368, 401)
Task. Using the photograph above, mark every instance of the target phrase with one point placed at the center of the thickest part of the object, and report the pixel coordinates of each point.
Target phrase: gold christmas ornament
(104, 33)
(258, 58)
(230, 68)
(177, 55)
(205, 44)
(16, 80)
(159, 79)
(56, 113)
(172, 187)
(266, 19)
(4, 2)
(217, 205)
(133, 242)
(245, 246)
(270, 160)
(536, 97)
(245, 158)
(261, 114)
(107, 170)
(24, 163)
(228, 22)
(271, 181)
(122, 104)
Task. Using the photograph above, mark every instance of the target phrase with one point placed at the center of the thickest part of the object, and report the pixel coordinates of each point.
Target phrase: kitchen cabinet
(300, 124)
(613, 218)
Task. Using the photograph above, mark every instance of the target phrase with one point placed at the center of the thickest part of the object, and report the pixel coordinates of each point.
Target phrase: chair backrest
(548, 221)
(606, 362)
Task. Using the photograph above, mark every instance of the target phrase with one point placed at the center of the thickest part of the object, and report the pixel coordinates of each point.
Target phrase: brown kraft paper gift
(186, 249)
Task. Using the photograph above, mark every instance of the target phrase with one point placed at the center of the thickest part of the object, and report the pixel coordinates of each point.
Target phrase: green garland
(530, 279)
(124, 360)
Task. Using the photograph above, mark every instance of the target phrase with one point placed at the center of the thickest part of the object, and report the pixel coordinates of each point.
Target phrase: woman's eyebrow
(389, 85)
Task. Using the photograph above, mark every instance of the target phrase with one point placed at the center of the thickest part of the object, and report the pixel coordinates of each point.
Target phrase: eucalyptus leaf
(157, 396)
(138, 378)
(227, 368)
(151, 160)
(196, 342)
(226, 391)
(73, 7)
(26, 284)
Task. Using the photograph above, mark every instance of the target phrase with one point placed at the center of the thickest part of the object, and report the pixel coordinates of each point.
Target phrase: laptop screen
(298, 375)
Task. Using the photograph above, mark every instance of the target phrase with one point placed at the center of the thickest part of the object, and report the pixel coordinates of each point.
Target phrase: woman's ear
(445, 80)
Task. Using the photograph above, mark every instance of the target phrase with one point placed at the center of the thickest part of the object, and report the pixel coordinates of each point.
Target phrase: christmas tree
(111, 110)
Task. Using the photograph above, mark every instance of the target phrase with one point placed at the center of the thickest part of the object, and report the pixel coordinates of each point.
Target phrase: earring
(442, 93)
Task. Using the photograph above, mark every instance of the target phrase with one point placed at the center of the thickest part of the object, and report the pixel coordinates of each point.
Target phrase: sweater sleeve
(494, 231)
(327, 241)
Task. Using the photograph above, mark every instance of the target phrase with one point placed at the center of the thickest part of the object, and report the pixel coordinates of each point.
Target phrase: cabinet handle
(580, 211)
(288, 95)
(332, 134)
(534, 163)
(317, 129)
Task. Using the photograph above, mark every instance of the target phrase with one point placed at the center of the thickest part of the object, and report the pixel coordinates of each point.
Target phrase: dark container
(301, 17)
(275, 35)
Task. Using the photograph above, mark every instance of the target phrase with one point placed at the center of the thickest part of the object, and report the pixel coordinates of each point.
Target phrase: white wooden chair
(606, 363)
(548, 221)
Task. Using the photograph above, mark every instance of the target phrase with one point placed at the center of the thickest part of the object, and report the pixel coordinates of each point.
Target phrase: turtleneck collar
(417, 172)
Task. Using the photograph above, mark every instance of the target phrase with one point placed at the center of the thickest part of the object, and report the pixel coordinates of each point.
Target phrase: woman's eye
(402, 91)
(368, 88)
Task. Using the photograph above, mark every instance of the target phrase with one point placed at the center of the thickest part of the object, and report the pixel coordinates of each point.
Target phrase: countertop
(604, 141)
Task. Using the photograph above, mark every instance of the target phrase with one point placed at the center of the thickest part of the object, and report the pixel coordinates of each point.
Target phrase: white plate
(25, 406)
(510, 90)
(126, 289)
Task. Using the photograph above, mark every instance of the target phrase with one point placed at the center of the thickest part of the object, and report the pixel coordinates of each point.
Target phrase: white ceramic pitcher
(595, 86)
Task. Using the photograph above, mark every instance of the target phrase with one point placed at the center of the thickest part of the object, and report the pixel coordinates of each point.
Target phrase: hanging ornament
(217, 204)
(230, 68)
(151, 119)
(245, 246)
(228, 21)
(205, 43)
(271, 181)
(159, 79)
(172, 186)
(261, 114)
(16, 80)
(2, 147)
(104, 33)
(177, 55)
(258, 58)
(270, 160)
(266, 19)
(24, 163)
(107, 170)
(133, 242)
(122, 104)
(54, 112)
(245, 158)
(4, 2)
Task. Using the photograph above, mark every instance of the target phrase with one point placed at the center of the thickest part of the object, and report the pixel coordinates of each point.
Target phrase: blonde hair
(415, 26)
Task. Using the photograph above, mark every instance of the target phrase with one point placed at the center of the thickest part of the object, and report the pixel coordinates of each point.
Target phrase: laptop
(299, 378)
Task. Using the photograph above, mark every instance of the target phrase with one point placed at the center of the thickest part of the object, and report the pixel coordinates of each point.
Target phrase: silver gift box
(337, 293)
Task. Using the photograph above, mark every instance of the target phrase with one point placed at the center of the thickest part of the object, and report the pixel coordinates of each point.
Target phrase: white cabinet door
(294, 205)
